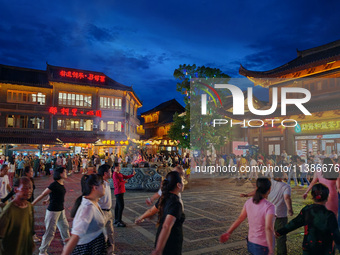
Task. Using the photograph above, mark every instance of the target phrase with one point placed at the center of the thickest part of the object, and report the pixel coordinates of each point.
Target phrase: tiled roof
(27, 140)
(167, 106)
(41, 78)
(53, 75)
(23, 76)
(311, 57)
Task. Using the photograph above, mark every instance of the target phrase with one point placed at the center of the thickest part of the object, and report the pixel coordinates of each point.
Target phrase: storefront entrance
(313, 143)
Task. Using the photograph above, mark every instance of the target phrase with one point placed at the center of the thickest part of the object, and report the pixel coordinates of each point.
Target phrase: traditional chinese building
(75, 107)
(156, 125)
(238, 142)
(318, 70)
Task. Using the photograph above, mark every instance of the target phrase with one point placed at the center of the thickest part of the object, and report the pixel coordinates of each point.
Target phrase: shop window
(26, 97)
(75, 124)
(110, 126)
(36, 122)
(23, 121)
(102, 126)
(276, 148)
(10, 121)
(118, 103)
(110, 103)
(118, 126)
(74, 99)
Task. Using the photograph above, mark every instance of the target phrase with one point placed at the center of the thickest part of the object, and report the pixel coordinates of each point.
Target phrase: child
(321, 227)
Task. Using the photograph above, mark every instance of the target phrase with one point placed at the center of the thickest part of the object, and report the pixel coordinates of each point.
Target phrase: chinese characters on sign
(80, 76)
(320, 126)
(74, 112)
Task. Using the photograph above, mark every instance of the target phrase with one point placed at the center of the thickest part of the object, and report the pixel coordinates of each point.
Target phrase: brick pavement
(211, 205)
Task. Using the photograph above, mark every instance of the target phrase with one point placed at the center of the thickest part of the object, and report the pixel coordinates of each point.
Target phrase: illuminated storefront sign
(74, 112)
(298, 128)
(113, 142)
(81, 76)
(332, 125)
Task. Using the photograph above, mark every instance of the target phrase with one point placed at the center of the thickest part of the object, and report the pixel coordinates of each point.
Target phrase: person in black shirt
(55, 213)
(169, 237)
(321, 227)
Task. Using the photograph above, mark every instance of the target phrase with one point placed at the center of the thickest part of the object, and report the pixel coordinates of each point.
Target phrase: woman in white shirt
(89, 223)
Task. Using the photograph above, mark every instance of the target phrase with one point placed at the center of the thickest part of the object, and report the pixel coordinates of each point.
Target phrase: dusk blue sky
(141, 43)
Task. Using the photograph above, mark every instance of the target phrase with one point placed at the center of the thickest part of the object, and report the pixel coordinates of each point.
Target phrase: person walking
(119, 185)
(36, 165)
(292, 174)
(20, 164)
(76, 163)
(55, 213)
(5, 188)
(84, 164)
(89, 220)
(17, 220)
(28, 172)
(321, 226)
(48, 165)
(303, 170)
(331, 179)
(260, 213)
(169, 236)
(105, 203)
(69, 165)
(280, 197)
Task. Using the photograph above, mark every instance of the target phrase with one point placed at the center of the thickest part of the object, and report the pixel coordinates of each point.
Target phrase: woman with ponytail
(89, 221)
(169, 237)
(328, 176)
(55, 213)
(260, 214)
(320, 224)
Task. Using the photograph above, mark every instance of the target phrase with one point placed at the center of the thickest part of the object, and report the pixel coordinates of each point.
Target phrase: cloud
(158, 91)
(100, 34)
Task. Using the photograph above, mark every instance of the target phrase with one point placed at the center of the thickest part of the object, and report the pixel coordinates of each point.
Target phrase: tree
(193, 129)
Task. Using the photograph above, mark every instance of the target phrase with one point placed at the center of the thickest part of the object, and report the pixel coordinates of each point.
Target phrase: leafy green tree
(192, 129)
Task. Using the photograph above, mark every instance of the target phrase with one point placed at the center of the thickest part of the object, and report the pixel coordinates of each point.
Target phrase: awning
(27, 140)
(58, 148)
(84, 139)
(24, 148)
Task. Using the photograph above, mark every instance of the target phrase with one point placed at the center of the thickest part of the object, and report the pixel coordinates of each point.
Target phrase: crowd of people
(300, 169)
(92, 229)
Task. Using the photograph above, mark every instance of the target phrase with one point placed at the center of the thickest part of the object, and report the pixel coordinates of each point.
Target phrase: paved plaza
(211, 204)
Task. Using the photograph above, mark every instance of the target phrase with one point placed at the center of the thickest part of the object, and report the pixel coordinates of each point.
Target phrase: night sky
(141, 43)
